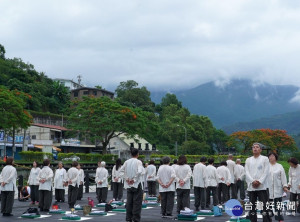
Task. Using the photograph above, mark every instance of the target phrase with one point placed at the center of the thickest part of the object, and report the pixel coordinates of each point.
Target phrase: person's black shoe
(202, 208)
(7, 215)
(197, 209)
(46, 210)
(206, 206)
(169, 215)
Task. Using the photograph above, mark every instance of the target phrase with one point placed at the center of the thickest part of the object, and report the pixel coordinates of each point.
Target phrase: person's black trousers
(151, 188)
(34, 193)
(233, 192)
(240, 186)
(72, 195)
(294, 197)
(223, 193)
(199, 193)
(117, 190)
(80, 192)
(7, 201)
(215, 196)
(183, 199)
(278, 211)
(59, 195)
(101, 194)
(134, 203)
(45, 199)
(167, 202)
(262, 196)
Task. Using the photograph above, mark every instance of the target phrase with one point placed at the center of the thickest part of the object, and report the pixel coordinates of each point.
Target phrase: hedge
(89, 157)
(35, 156)
(196, 158)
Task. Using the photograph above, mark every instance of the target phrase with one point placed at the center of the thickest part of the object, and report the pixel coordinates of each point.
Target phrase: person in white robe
(73, 187)
(231, 166)
(117, 181)
(133, 174)
(294, 182)
(34, 183)
(80, 182)
(257, 169)
(45, 178)
(102, 182)
(199, 183)
(8, 178)
(277, 184)
(165, 177)
(60, 182)
(183, 183)
(151, 179)
(211, 183)
(239, 176)
(224, 182)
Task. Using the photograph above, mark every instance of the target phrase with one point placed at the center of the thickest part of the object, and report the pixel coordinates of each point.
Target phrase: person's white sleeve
(283, 177)
(266, 171)
(249, 178)
(189, 174)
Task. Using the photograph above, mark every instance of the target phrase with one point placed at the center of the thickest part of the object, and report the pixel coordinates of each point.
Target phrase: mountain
(238, 101)
(288, 121)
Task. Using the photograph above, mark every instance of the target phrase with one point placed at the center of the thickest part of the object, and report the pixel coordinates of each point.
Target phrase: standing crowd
(264, 178)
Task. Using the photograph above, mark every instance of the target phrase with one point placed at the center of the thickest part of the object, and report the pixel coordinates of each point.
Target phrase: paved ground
(148, 215)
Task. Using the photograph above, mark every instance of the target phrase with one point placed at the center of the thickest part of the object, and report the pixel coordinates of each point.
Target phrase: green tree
(13, 115)
(129, 94)
(102, 119)
(2, 52)
(195, 148)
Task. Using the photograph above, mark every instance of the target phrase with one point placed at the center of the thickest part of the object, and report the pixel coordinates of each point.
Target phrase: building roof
(50, 126)
(90, 88)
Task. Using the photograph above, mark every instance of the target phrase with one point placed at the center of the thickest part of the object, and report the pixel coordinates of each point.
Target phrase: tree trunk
(13, 144)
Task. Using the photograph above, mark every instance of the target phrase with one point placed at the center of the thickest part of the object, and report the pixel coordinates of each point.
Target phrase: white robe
(294, 179)
(223, 172)
(231, 166)
(116, 174)
(8, 176)
(239, 172)
(60, 178)
(33, 176)
(151, 172)
(101, 176)
(80, 177)
(277, 180)
(73, 174)
(165, 173)
(212, 178)
(199, 175)
(183, 172)
(132, 169)
(47, 174)
(257, 169)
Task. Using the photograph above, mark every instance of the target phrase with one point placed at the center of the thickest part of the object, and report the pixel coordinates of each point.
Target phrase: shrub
(35, 156)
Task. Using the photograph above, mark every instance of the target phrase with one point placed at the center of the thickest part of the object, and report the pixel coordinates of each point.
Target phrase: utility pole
(176, 148)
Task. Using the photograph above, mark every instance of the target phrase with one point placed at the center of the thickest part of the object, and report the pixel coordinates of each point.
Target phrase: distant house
(70, 84)
(121, 146)
(88, 91)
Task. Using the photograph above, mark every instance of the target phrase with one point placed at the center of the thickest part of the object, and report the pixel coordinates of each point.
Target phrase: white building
(69, 83)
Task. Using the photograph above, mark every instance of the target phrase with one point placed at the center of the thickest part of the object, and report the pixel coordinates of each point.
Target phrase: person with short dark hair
(73, 174)
(211, 183)
(133, 173)
(60, 182)
(8, 178)
(239, 175)
(80, 182)
(45, 188)
(183, 178)
(277, 183)
(294, 181)
(257, 169)
(101, 181)
(33, 182)
(151, 179)
(165, 177)
(199, 183)
(224, 182)
(117, 180)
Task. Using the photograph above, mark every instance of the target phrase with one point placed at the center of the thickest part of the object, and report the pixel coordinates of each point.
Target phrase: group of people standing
(265, 178)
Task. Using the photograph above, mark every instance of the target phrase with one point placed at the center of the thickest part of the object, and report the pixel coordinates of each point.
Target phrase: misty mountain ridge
(227, 103)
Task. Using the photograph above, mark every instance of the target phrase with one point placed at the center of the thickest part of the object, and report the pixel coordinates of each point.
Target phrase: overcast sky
(162, 44)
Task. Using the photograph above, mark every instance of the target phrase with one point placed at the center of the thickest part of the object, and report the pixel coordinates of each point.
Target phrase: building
(121, 146)
(70, 84)
(88, 91)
